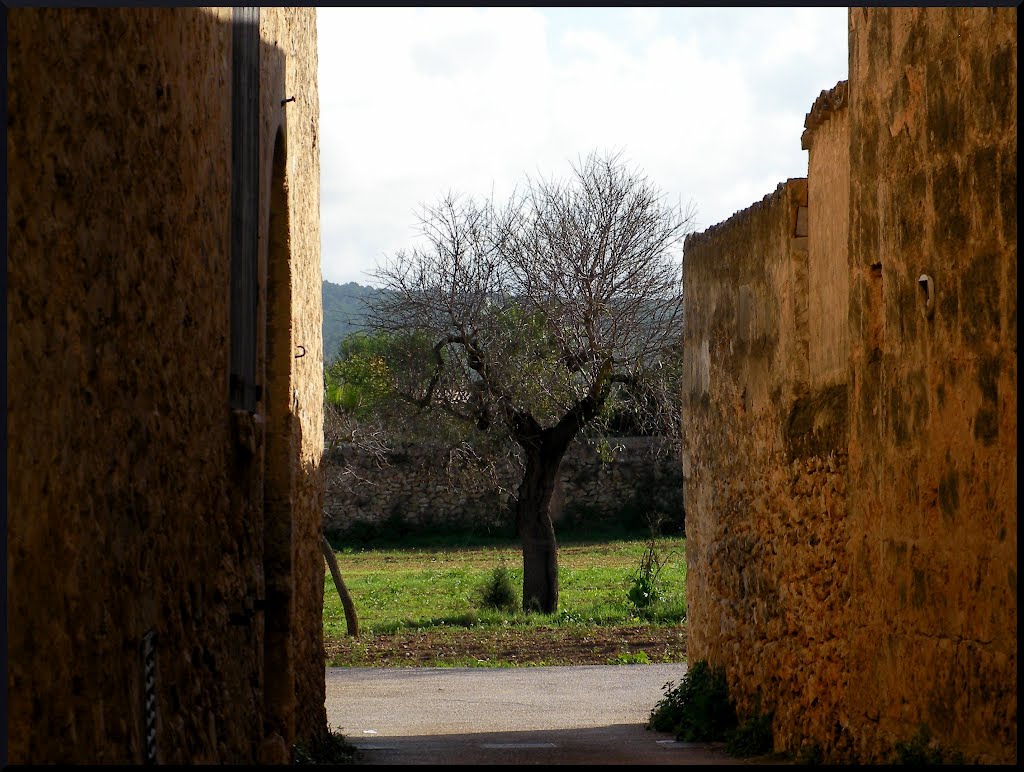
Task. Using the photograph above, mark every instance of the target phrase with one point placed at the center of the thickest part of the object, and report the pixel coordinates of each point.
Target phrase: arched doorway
(279, 471)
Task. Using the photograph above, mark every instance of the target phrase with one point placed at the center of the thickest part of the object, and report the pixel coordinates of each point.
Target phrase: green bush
(751, 738)
(645, 591)
(921, 750)
(646, 587)
(330, 747)
(809, 755)
(499, 591)
(698, 709)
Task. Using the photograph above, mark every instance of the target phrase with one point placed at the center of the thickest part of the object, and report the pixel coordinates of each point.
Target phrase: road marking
(504, 746)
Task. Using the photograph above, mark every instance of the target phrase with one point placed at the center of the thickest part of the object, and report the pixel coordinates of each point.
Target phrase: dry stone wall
(415, 491)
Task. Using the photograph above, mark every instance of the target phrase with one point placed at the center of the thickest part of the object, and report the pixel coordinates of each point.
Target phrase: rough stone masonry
(850, 413)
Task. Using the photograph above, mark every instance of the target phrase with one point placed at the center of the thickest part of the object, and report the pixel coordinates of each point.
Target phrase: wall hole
(927, 294)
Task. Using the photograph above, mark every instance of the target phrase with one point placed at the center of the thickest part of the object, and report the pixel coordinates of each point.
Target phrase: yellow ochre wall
(933, 391)
(135, 503)
(852, 540)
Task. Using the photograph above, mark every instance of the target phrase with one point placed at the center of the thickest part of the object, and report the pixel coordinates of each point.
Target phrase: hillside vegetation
(344, 313)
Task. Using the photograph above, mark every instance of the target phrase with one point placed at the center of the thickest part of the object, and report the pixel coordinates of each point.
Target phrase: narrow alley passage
(538, 715)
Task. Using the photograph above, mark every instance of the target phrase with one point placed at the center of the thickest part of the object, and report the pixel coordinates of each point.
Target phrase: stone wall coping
(799, 184)
(829, 102)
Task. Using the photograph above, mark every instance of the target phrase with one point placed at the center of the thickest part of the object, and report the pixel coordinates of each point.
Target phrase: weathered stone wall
(293, 32)
(933, 443)
(826, 139)
(414, 489)
(852, 544)
(764, 463)
(132, 506)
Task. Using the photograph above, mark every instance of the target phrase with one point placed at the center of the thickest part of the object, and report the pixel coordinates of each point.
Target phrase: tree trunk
(536, 531)
(351, 620)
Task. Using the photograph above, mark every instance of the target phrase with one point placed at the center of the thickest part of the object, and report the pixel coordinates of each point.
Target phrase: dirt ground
(518, 646)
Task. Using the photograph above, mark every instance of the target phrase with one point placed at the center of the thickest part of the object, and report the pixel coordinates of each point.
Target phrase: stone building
(164, 385)
(850, 416)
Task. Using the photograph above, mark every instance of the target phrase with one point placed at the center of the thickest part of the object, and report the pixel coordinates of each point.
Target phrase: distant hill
(344, 313)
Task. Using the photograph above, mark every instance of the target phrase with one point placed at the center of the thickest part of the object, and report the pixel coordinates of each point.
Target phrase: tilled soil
(515, 646)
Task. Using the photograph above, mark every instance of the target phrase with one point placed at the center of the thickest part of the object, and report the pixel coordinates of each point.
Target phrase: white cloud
(417, 102)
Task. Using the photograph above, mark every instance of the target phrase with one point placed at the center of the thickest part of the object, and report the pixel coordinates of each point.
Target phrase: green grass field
(430, 598)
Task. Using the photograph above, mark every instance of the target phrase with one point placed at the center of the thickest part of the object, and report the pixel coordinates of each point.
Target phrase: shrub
(647, 590)
(921, 750)
(809, 755)
(751, 738)
(330, 747)
(698, 709)
(646, 587)
(499, 591)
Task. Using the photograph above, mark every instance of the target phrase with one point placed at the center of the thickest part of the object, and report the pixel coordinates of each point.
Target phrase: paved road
(536, 715)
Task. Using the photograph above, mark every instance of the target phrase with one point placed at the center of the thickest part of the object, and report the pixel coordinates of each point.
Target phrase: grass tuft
(499, 591)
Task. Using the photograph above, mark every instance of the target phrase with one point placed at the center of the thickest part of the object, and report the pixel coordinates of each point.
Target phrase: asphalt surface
(532, 715)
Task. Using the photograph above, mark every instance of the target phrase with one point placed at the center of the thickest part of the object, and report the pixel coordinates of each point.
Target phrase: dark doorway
(279, 472)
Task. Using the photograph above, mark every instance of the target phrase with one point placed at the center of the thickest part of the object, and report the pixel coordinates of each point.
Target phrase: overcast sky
(417, 102)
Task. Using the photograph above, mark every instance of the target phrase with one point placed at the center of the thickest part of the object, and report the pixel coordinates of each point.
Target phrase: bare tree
(537, 315)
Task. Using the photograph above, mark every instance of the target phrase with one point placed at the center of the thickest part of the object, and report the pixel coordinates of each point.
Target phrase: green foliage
(648, 408)
(360, 379)
(345, 309)
(424, 586)
(753, 737)
(646, 589)
(698, 709)
(374, 377)
(630, 658)
(329, 747)
(922, 750)
(499, 591)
